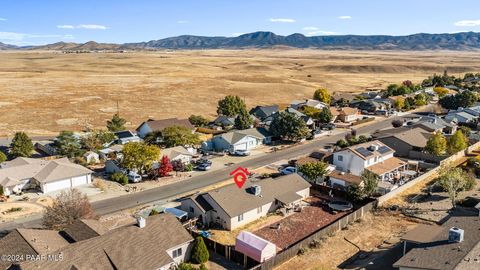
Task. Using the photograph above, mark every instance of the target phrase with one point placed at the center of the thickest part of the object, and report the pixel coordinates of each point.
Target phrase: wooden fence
(329, 230)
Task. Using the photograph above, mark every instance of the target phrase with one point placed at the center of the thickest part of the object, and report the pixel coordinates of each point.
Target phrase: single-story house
(112, 150)
(179, 153)
(461, 117)
(404, 139)
(370, 105)
(308, 120)
(345, 114)
(156, 242)
(159, 125)
(246, 139)
(126, 136)
(299, 104)
(45, 175)
(224, 121)
(263, 112)
(254, 246)
(453, 245)
(231, 207)
(91, 157)
(435, 124)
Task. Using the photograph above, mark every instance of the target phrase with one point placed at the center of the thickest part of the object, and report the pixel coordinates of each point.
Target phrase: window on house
(240, 217)
(259, 210)
(177, 253)
(340, 158)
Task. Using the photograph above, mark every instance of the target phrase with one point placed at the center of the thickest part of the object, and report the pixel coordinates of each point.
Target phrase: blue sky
(30, 22)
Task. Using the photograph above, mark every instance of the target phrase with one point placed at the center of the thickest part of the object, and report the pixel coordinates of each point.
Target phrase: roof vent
(373, 147)
(141, 222)
(455, 235)
(256, 190)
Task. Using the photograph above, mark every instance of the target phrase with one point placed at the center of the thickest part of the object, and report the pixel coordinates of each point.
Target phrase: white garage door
(81, 180)
(242, 146)
(57, 185)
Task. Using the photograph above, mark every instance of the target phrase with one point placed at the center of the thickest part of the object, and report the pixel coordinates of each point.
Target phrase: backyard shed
(255, 247)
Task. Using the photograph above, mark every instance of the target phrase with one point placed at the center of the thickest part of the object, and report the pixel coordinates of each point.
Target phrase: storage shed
(255, 247)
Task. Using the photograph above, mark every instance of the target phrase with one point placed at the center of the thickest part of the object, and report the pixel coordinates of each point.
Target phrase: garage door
(81, 180)
(57, 185)
(242, 146)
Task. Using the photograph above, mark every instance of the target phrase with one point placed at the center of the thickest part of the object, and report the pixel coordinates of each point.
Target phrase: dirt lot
(370, 232)
(299, 225)
(50, 91)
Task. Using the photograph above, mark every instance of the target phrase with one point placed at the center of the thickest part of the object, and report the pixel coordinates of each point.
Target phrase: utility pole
(118, 110)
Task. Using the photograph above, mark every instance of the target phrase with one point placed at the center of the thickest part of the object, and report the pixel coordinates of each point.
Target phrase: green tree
(457, 142)
(3, 157)
(421, 99)
(465, 130)
(289, 127)
(119, 178)
(200, 251)
(202, 267)
(453, 181)
(325, 116)
(116, 124)
(311, 112)
(313, 170)
(243, 120)
(96, 139)
(139, 156)
(231, 106)
(21, 145)
(185, 266)
(370, 183)
(399, 103)
(198, 120)
(437, 144)
(154, 138)
(322, 95)
(342, 143)
(440, 91)
(179, 135)
(67, 144)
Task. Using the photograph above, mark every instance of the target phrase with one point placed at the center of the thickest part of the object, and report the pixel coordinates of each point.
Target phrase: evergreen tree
(200, 251)
(21, 145)
(116, 124)
(243, 120)
(457, 142)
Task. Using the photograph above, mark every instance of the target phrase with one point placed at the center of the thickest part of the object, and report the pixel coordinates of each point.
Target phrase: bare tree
(67, 207)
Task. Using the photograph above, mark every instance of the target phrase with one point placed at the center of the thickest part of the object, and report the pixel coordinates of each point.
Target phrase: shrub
(200, 252)
(342, 143)
(397, 123)
(153, 212)
(302, 251)
(120, 178)
(363, 139)
(185, 266)
(202, 267)
(14, 209)
(3, 157)
(99, 184)
(189, 167)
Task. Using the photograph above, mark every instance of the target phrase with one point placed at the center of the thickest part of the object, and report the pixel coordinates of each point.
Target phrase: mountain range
(455, 41)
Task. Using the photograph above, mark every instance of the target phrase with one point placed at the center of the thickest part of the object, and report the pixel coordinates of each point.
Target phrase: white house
(46, 175)
(238, 140)
(179, 153)
(373, 156)
(231, 207)
(298, 104)
(127, 136)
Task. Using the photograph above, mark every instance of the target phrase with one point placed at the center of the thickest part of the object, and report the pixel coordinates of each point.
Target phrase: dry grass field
(45, 92)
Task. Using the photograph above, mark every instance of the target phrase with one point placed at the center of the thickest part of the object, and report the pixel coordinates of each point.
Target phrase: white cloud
(3, 19)
(182, 21)
(26, 39)
(92, 26)
(346, 17)
(309, 28)
(66, 26)
(282, 20)
(464, 23)
(320, 32)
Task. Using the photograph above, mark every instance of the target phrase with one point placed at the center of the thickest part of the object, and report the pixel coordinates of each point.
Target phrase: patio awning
(386, 166)
(176, 212)
(288, 197)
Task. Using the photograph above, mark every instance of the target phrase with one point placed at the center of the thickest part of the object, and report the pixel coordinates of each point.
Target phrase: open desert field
(45, 92)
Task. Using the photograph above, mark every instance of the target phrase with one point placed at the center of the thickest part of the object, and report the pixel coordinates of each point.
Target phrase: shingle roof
(83, 229)
(235, 201)
(263, 112)
(379, 144)
(129, 247)
(441, 254)
(159, 125)
(235, 136)
(347, 177)
(417, 137)
(174, 152)
(386, 166)
(42, 170)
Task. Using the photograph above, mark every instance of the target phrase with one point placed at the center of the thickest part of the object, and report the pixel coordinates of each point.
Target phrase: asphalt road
(171, 191)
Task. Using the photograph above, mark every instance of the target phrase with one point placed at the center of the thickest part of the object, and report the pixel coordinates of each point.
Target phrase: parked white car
(134, 177)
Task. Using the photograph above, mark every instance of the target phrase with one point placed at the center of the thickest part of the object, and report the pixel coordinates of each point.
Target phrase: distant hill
(457, 41)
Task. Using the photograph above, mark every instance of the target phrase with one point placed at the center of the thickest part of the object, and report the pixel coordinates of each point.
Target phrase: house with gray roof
(453, 245)
(231, 207)
(263, 112)
(434, 123)
(156, 242)
(246, 139)
(181, 153)
(45, 175)
(462, 116)
(404, 139)
(159, 125)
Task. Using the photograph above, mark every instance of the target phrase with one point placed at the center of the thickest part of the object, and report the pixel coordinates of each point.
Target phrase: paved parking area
(300, 224)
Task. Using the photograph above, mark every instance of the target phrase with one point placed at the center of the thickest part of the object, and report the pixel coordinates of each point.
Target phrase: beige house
(232, 207)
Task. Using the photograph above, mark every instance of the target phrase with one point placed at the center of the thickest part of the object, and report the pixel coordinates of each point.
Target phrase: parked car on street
(134, 177)
(328, 126)
(240, 153)
(204, 167)
(288, 170)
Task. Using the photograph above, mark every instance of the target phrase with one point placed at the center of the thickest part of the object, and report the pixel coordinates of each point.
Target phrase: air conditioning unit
(256, 190)
(373, 148)
(455, 235)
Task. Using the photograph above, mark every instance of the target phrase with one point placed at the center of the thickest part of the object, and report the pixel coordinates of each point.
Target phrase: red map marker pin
(240, 176)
